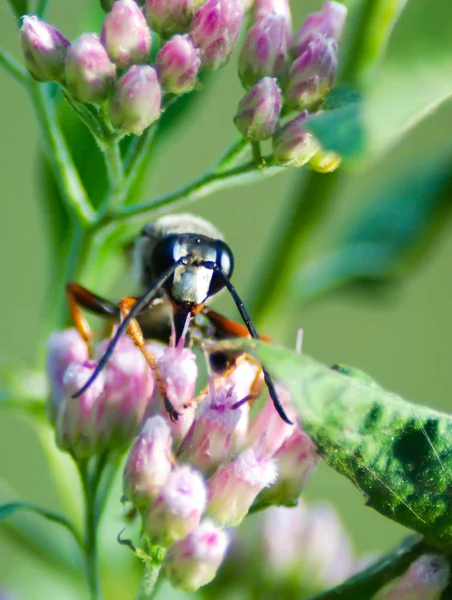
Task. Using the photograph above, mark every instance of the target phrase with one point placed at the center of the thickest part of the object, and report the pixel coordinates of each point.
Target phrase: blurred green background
(400, 333)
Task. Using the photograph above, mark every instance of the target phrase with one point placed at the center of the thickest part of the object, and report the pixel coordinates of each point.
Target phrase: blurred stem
(59, 157)
(236, 151)
(12, 67)
(257, 154)
(306, 211)
(371, 29)
(366, 583)
(90, 476)
(84, 115)
(203, 186)
(153, 575)
(41, 7)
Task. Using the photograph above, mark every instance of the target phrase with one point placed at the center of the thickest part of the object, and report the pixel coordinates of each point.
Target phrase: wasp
(181, 262)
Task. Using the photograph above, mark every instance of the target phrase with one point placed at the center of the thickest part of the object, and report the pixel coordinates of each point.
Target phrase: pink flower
(194, 561)
(126, 34)
(168, 16)
(177, 510)
(234, 487)
(149, 463)
(258, 111)
(44, 49)
(178, 63)
(329, 22)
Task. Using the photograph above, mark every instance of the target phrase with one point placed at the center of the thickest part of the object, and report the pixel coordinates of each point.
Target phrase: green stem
(366, 583)
(203, 186)
(115, 168)
(59, 157)
(307, 209)
(371, 25)
(13, 67)
(91, 561)
(235, 152)
(41, 7)
(257, 154)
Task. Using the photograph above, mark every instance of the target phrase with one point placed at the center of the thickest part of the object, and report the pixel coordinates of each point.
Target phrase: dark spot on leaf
(372, 419)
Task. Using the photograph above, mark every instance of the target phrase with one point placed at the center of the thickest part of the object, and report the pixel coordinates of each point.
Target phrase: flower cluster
(114, 67)
(190, 478)
(284, 75)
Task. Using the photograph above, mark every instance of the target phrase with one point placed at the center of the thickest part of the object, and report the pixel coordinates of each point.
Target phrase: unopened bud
(265, 51)
(279, 7)
(148, 463)
(90, 74)
(328, 22)
(209, 439)
(179, 371)
(297, 457)
(293, 146)
(126, 35)
(44, 49)
(258, 112)
(268, 428)
(178, 63)
(169, 16)
(178, 508)
(426, 579)
(136, 100)
(324, 162)
(63, 348)
(76, 421)
(194, 561)
(312, 74)
(234, 487)
(214, 29)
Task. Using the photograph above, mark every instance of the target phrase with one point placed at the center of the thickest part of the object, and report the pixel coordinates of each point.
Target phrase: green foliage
(397, 454)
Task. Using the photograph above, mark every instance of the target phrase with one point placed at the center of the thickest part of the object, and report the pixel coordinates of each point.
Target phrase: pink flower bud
(90, 74)
(234, 487)
(44, 48)
(129, 385)
(312, 74)
(63, 348)
(75, 425)
(168, 16)
(136, 100)
(279, 7)
(426, 579)
(209, 440)
(268, 428)
(177, 64)
(214, 29)
(265, 51)
(148, 463)
(297, 457)
(194, 561)
(178, 508)
(307, 545)
(126, 35)
(328, 22)
(258, 111)
(293, 146)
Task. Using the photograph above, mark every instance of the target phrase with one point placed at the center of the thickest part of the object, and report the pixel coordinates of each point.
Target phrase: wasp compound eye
(225, 262)
(164, 254)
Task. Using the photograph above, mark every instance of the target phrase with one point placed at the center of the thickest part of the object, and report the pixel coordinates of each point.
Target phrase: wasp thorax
(199, 259)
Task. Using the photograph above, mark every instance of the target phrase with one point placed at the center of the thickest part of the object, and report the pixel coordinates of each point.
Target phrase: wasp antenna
(142, 302)
(253, 332)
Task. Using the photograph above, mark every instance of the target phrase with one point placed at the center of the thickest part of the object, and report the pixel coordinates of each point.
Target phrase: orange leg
(134, 330)
(79, 297)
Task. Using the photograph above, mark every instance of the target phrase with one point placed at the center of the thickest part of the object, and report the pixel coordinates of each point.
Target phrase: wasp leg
(79, 297)
(125, 306)
(228, 328)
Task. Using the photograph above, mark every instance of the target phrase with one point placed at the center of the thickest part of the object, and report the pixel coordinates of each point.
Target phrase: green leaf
(8, 510)
(340, 127)
(398, 455)
(19, 7)
(399, 224)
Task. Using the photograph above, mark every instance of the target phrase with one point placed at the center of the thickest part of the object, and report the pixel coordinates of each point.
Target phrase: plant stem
(235, 151)
(206, 184)
(85, 115)
(114, 165)
(308, 207)
(13, 67)
(371, 29)
(59, 157)
(91, 564)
